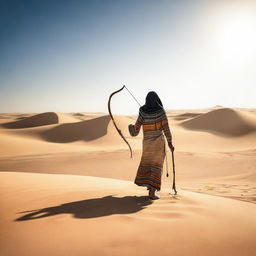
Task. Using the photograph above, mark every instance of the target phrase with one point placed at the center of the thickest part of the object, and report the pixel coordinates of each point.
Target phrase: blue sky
(70, 55)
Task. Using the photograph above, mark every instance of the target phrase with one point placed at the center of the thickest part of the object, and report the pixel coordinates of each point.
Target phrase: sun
(235, 35)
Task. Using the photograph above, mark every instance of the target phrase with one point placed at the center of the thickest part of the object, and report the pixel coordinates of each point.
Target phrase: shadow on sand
(92, 208)
(87, 130)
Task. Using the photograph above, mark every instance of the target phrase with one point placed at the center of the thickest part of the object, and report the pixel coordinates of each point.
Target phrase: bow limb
(110, 113)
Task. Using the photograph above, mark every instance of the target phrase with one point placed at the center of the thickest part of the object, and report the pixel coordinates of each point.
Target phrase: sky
(68, 56)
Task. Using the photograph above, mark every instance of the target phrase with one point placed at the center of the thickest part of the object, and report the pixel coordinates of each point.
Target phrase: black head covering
(153, 103)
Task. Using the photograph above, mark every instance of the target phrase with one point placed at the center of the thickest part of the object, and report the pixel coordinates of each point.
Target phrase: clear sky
(68, 56)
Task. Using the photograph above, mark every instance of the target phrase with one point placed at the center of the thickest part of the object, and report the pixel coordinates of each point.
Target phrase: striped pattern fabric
(155, 126)
(153, 121)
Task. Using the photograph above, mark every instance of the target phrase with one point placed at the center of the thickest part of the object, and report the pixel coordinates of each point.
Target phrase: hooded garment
(152, 118)
(153, 103)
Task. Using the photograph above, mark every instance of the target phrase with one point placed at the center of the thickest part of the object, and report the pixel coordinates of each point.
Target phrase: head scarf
(153, 103)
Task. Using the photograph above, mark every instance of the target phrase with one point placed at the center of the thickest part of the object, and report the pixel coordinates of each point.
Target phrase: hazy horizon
(68, 56)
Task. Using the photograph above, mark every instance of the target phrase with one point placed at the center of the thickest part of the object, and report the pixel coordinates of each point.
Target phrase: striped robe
(155, 126)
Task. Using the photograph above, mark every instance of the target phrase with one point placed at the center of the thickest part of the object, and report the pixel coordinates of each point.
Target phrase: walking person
(153, 119)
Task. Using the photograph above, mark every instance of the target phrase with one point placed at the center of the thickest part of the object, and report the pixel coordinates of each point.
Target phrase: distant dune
(223, 121)
(94, 133)
(32, 134)
(33, 121)
(186, 115)
(42, 119)
(87, 130)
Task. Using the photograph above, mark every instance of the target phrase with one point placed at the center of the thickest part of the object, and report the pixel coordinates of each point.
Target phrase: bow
(110, 113)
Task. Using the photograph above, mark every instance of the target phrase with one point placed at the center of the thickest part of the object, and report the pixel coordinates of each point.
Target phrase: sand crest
(223, 121)
(33, 121)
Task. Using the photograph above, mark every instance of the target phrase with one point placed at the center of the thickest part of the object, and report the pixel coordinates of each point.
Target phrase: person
(153, 119)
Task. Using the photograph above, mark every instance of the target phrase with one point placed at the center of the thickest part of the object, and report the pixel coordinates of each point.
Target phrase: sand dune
(78, 114)
(74, 215)
(69, 129)
(98, 132)
(7, 117)
(122, 123)
(84, 130)
(42, 119)
(67, 118)
(186, 115)
(223, 121)
(78, 215)
(95, 133)
(32, 121)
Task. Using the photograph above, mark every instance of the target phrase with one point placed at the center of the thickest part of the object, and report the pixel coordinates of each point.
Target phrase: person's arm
(135, 129)
(167, 132)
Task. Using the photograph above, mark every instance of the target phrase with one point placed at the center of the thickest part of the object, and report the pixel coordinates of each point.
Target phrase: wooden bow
(110, 113)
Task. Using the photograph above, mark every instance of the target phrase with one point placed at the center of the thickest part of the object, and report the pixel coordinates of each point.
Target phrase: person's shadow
(92, 208)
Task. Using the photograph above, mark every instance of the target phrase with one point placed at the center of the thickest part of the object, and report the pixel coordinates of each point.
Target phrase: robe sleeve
(135, 129)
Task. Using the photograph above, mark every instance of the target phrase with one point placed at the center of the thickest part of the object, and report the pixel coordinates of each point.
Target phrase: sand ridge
(224, 121)
(201, 133)
(33, 121)
(67, 135)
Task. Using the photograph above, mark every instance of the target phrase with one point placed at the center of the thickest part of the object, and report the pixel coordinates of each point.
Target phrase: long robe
(155, 126)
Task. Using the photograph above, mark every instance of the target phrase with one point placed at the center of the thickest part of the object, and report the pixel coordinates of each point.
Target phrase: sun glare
(235, 35)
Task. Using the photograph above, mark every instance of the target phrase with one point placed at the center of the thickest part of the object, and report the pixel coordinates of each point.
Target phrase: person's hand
(171, 146)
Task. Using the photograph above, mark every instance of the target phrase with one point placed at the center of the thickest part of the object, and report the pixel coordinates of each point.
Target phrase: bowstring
(132, 95)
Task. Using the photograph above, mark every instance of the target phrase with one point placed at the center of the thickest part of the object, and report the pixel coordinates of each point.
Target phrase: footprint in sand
(170, 208)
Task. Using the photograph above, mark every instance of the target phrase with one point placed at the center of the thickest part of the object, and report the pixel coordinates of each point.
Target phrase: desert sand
(67, 186)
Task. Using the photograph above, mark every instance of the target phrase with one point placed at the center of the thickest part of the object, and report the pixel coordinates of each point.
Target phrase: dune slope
(46, 214)
(84, 130)
(225, 121)
(33, 121)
